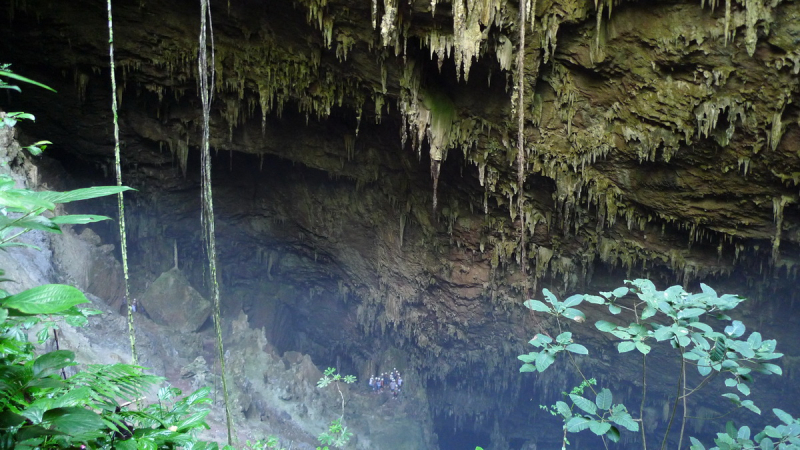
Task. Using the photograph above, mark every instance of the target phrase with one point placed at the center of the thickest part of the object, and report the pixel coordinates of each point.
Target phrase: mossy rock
(172, 301)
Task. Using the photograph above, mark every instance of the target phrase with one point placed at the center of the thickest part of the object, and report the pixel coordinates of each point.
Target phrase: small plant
(337, 434)
(676, 318)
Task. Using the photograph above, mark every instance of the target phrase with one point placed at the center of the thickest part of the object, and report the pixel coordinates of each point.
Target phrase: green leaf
(766, 444)
(13, 76)
(696, 445)
(663, 333)
(543, 361)
(625, 346)
(536, 305)
(564, 338)
(783, 416)
(613, 434)
(52, 361)
(743, 433)
(602, 325)
(527, 368)
(642, 347)
(549, 296)
(690, 312)
(599, 428)
(577, 424)
(74, 420)
(573, 300)
(735, 329)
(574, 314)
(81, 194)
(578, 349)
(46, 299)
(595, 299)
(626, 421)
(648, 312)
(614, 309)
(583, 403)
(754, 340)
(23, 201)
(31, 223)
(743, 388)
(78, 219)
(620, 292)
(563, 409)
(751, 406)
(195, 420)
(772, 368)
(603, 400)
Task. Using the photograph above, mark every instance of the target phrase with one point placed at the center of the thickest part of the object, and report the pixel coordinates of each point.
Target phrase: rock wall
(369, 186)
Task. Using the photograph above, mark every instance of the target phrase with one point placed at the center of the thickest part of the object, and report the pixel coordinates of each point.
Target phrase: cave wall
(660, 140)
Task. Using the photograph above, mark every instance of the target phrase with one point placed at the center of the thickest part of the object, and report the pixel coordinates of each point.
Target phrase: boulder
(173, 302)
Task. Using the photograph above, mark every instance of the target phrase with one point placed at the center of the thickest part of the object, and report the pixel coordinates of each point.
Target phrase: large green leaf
(31, 223)
(195, 420)
(78, 219)
(73, 420)
(625, 346)
(543, 361)
(573, 300)
(577, 348)
(52, 361)
(46, 299)
(690, 312)
(13, 76)
(577, 424)
(604, 398)
(81, 194)
(599, 428)
(19, 200)
(583, 403)
(536, 305)
(606, 326)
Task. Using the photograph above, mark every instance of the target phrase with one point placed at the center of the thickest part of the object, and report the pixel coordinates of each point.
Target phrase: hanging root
(120, 202)
(207, 215)
(521, 139)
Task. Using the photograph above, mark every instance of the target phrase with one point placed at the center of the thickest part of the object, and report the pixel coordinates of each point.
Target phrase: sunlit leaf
(46, 299)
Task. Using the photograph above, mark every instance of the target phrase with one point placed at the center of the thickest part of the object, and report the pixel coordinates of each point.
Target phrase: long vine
(120, 201)
(207, 214)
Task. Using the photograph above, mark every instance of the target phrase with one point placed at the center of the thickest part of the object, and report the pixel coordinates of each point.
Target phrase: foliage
(337, 434)
(683, 321)
(40, 407)
(11, 118)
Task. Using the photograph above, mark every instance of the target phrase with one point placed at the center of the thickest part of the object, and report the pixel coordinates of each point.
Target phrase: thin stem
(641, 405)
(572, 360)
(702, 383)
(683, 421)
(341, 417)
(672, 416)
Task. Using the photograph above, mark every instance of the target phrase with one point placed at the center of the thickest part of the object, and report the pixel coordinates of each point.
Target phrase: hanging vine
(120, 202)
(207, 215)
(521, 139)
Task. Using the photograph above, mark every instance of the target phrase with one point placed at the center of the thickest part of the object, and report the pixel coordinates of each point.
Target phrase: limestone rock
(173, 302)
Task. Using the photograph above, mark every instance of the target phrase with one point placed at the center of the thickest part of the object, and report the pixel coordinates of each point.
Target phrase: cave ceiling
(661, 138)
